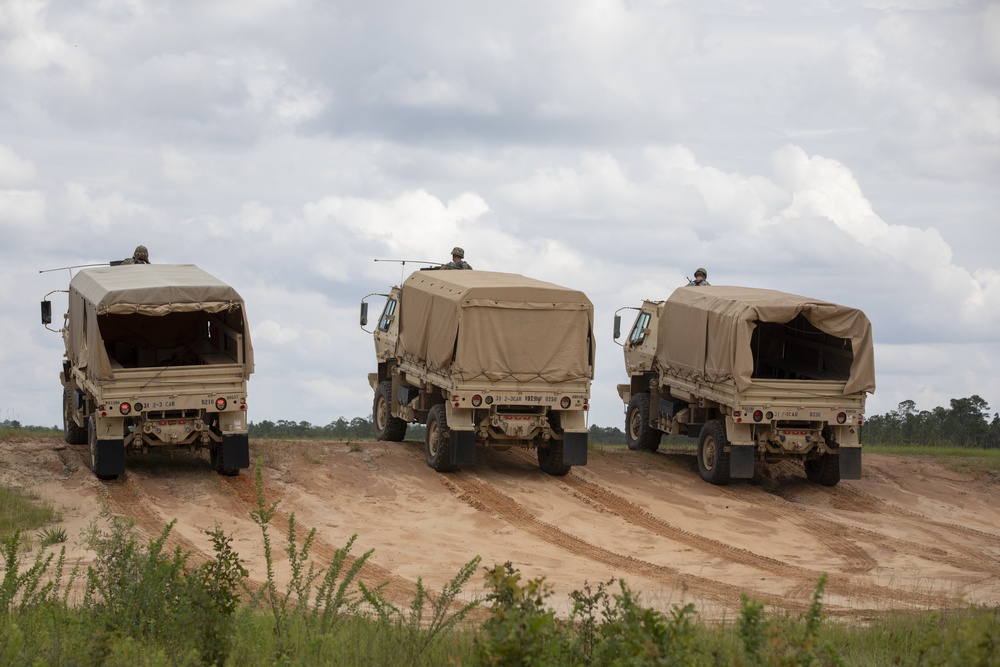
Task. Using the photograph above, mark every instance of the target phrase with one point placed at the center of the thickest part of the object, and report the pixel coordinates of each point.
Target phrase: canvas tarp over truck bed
(105, 295)
(496, 326)
(705, 334)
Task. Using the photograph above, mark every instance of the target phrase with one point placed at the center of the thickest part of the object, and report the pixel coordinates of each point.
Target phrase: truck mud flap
(463, 448)
(850, 463)
(236, 451)
(110, 458)
(575, 449)
(741, 461)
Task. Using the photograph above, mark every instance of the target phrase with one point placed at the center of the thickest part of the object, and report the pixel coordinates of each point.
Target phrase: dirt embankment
(910, 535)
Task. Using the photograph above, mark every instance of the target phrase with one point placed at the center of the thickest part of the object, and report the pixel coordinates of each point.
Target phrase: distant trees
(965, 423)
(359, 428)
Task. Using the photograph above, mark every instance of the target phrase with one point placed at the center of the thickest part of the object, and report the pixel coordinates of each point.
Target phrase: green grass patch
(22, 512)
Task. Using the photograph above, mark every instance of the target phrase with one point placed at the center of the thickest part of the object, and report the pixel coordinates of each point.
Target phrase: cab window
(639, 329)
(387, 314)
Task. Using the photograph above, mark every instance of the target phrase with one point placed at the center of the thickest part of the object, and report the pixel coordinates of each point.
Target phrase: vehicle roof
(121, 288)
(459, 285)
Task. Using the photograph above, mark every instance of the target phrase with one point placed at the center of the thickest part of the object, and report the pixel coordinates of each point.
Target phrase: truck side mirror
(364, 313)
(46, 312)
(618, 326)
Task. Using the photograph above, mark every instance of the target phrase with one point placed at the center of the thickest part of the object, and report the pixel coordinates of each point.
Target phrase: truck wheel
(824, 470)
(218, 464)
(437, 445)
(550, 459)
(387, 427)
(96, 462)
(713, 459)
(72, 434)
(638, 433)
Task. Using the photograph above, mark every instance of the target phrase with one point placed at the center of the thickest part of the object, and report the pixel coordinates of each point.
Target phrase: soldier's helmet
(141, 253)
(700, 272)
(457, 252)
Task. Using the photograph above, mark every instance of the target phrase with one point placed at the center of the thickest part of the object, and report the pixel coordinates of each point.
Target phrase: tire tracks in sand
(486, 498)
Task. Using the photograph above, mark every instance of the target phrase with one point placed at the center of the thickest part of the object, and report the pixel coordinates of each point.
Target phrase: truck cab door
(640, 347)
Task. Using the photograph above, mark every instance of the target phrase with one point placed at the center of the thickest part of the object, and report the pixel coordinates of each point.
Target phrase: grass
(327, 615)
(22, 512)
(960, 459)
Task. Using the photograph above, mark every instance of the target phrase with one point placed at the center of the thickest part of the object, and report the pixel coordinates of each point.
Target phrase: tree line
(966, 422)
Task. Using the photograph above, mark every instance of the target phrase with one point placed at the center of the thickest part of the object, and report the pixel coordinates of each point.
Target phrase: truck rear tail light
(841, 417)
(861, 420)
(220, 404)
(125, 408)
(586, 404)
(243, 405)
(757, 415)
(477, 400)
(565, 402)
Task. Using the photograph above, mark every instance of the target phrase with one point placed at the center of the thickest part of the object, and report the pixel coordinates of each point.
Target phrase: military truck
(487, 358)
(756, 375)
(156, 356)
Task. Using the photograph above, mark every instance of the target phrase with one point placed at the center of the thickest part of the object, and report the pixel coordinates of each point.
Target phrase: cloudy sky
(845, 150)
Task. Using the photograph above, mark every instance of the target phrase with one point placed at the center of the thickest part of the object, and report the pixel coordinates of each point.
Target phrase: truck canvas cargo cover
(707, 334)
(496, 326)
(99, 297)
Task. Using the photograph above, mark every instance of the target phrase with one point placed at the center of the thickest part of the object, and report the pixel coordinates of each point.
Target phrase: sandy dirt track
(911, 535)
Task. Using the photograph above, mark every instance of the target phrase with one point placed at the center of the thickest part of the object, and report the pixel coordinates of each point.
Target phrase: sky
(847, 151)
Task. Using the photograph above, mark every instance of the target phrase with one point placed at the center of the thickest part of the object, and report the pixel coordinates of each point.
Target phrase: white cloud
(272, 332)
(602, 145)
(102, 211)
(15, 172)
(31, 48)
(432, 89)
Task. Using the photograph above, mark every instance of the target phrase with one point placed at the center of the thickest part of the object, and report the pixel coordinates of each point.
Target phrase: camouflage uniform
(140, 256)
(699, 282)
(458, 263)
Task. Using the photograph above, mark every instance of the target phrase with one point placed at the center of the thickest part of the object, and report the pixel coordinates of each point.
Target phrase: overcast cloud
(848, 151)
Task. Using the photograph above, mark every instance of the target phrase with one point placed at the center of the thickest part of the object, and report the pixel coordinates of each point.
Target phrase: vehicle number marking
(158, 405)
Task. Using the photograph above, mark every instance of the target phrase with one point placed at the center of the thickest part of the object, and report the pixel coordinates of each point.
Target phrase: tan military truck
(480, 357)
(157, 356)
(755, 375)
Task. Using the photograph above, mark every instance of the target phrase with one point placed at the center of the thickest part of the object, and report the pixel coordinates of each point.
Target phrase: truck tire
(824, 470)
(639, 435)
(97, 463)
(72, 434)
(218, 461)
(387, 427)
(713, 459)
(550, 459)
(437, 445)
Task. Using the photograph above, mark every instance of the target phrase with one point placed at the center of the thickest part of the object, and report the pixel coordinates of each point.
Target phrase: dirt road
(910, 535)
